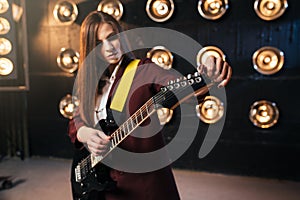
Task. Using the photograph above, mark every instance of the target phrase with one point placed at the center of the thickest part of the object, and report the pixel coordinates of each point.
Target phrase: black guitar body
(98, 178)
(97, 181)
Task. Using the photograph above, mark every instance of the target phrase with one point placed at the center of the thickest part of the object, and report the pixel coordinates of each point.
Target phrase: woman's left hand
(217, 70)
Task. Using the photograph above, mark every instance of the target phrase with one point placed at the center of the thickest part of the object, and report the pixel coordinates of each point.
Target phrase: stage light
(67, 106)
(164, 115)
(111, 7)
(160, 10)
(65, 12)
(6, 67)
(212, 9)
(207, 51)
(161, 56)
(4, 5)
(5, 46)
(268, 60)
(17, 12)
(264, 114)
(68, 60)
(4, 26)
(210, 110)
(270, 9)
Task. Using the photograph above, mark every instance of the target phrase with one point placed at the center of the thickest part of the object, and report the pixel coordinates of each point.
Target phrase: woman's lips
(112, 55)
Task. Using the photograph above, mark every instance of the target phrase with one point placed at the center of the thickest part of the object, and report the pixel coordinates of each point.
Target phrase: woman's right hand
(95, 140)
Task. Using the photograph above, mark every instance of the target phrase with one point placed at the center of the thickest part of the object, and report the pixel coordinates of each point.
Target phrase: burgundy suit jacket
(155, 185)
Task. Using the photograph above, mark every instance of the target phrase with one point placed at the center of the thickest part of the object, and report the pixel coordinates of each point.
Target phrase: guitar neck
(127, 128)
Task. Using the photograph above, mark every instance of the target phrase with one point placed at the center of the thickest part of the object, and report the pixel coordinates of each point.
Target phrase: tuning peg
(170, 82)
(183, 83)
(178, 80)
(196, 74)
(189, 76)
(170, 87)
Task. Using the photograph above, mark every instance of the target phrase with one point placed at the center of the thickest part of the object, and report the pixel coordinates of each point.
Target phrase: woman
(96, 83)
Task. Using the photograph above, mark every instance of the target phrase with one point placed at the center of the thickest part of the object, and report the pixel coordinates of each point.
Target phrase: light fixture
(4, 5)
(207, 51)
(270, 9)
(17, 12)
(212, 9)
(65, 12)
(5, 46)
(4, 26)
(68, 60)
(67, 106)
(160, 10)
(268, 60)
(6, 67)
(264, 114)
(111, 7)
(210, 110)
(161, 56)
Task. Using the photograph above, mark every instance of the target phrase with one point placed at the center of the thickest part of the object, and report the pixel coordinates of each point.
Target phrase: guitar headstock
(183, 82)
(179, 90)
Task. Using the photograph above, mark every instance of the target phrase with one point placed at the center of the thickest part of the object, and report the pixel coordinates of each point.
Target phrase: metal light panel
(264, 114)
(160, 10)
(65, 12)
(4, 26)
(212, 9)
(5, 46)
(4, 5)
(268, 60)
(68, 60)
(161, 56)
(112, 7)
(67, 106)
(6, 67)
(270, 9)
(210, 110)
(207, 51)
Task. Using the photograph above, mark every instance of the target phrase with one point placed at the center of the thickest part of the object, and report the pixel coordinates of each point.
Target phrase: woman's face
(110, 46)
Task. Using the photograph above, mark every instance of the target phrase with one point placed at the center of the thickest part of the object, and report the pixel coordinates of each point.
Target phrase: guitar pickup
(78, 174)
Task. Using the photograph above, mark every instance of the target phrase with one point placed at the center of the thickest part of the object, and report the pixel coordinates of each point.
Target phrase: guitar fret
(121, 135)
(115, 140)
(113, 143)
(141, 112)
(132, 126)
(118, 136)
(121, 131)
(136, 119)
(127, 125)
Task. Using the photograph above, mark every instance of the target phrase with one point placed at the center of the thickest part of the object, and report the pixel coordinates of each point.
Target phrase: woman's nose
(107, 45)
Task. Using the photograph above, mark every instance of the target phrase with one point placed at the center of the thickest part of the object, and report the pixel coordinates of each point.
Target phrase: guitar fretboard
(126, 128)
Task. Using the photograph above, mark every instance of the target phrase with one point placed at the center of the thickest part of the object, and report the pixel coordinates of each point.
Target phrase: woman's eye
(98, 42)
(112, 38)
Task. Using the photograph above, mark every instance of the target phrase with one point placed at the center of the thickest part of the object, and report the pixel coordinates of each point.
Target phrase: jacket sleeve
(74, 125)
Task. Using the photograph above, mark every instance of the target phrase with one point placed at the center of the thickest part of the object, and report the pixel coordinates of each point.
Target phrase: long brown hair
(90, 72)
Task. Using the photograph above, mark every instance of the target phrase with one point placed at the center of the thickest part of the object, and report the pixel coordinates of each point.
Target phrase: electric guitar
(90, 174)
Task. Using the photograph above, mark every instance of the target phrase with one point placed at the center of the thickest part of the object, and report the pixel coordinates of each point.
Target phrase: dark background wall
(242, 148)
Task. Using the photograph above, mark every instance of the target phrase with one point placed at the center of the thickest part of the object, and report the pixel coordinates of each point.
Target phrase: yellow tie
(122, 91)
